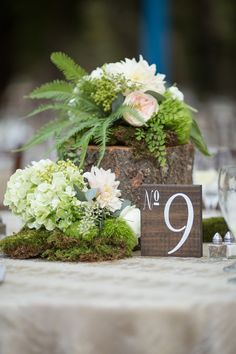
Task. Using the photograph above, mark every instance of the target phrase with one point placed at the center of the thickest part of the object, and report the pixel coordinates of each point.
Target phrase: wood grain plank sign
(171, 220)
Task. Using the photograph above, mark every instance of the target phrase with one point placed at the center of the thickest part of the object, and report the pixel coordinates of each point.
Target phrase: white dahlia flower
(138, 73)
(107, 188)
(143, 74)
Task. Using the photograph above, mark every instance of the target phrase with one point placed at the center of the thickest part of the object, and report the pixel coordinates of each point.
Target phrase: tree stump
(132, 171)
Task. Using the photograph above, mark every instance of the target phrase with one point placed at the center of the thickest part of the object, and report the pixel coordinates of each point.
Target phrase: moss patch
(213, 225)
(25, 244)
(114, 241)
(125, 136)
(117, 233)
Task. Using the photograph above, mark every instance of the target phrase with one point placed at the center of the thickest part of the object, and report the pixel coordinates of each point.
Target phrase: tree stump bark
(132, 171)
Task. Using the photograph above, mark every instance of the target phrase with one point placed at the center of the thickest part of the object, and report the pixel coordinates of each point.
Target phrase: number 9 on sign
(186, 228)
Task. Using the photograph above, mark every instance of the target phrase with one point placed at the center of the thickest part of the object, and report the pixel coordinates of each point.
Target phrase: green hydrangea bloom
(43, 194)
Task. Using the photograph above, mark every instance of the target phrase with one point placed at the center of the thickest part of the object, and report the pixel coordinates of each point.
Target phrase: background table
(133, 306)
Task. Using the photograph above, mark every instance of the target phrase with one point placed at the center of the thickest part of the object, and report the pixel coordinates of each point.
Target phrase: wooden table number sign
(171, 220)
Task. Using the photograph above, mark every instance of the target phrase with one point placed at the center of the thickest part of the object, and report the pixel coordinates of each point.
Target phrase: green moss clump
(27, 243)
(89, 235)
(213, 225)
(58, 240)
(114, 241)
(117, 232)
(85, 253)
(122, 135)
(73, 254)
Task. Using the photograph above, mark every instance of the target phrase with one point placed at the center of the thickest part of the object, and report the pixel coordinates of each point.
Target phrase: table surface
(136, 305)
(146, 281)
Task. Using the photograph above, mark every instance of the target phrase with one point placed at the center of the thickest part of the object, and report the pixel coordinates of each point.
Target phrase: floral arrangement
(126, 102)
(68, 215)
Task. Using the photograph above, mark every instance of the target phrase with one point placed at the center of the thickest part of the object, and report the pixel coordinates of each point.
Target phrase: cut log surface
(132, 172)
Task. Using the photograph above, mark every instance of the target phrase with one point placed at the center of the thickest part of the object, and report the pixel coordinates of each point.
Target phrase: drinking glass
(206, 173)
(227, 196)
(227, 202)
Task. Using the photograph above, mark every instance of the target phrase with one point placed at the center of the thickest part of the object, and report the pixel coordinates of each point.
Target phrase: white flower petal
(132, 216)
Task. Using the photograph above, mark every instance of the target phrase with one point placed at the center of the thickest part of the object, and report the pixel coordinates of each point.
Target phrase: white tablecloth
(133, 306)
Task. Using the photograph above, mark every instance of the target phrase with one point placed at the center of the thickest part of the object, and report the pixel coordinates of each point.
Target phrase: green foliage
(104, 92)
(70, 69)
(173, 115)
(88, 109)
(154, 137)
(177, 117)
(58, 90)
(80, 117)
(156, 95)
(213, 225)
(198, 140)
(113, 241)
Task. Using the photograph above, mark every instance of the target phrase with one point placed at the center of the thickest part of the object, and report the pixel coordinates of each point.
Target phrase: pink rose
(145, 104)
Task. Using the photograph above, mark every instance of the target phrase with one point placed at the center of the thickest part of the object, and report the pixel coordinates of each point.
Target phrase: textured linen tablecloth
(132, 306)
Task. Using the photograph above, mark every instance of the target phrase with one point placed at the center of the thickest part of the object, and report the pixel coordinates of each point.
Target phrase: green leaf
(91, 194)
(102, 134)
(87, 105)
(80, 195)
(83, 144)
(117, 102)
(57, 89)
(156, 95)
(45, 107)
(72, 131)
(125, 203)
(197, 139)
(69, 68)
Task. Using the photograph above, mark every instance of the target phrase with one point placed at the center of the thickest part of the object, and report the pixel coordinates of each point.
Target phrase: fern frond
(46, 107)
(67, 66)
(49, 129)
(72, 131)
(83, 144)
(102, 135)
(87, 105)
(78, 116)
(57, 89)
